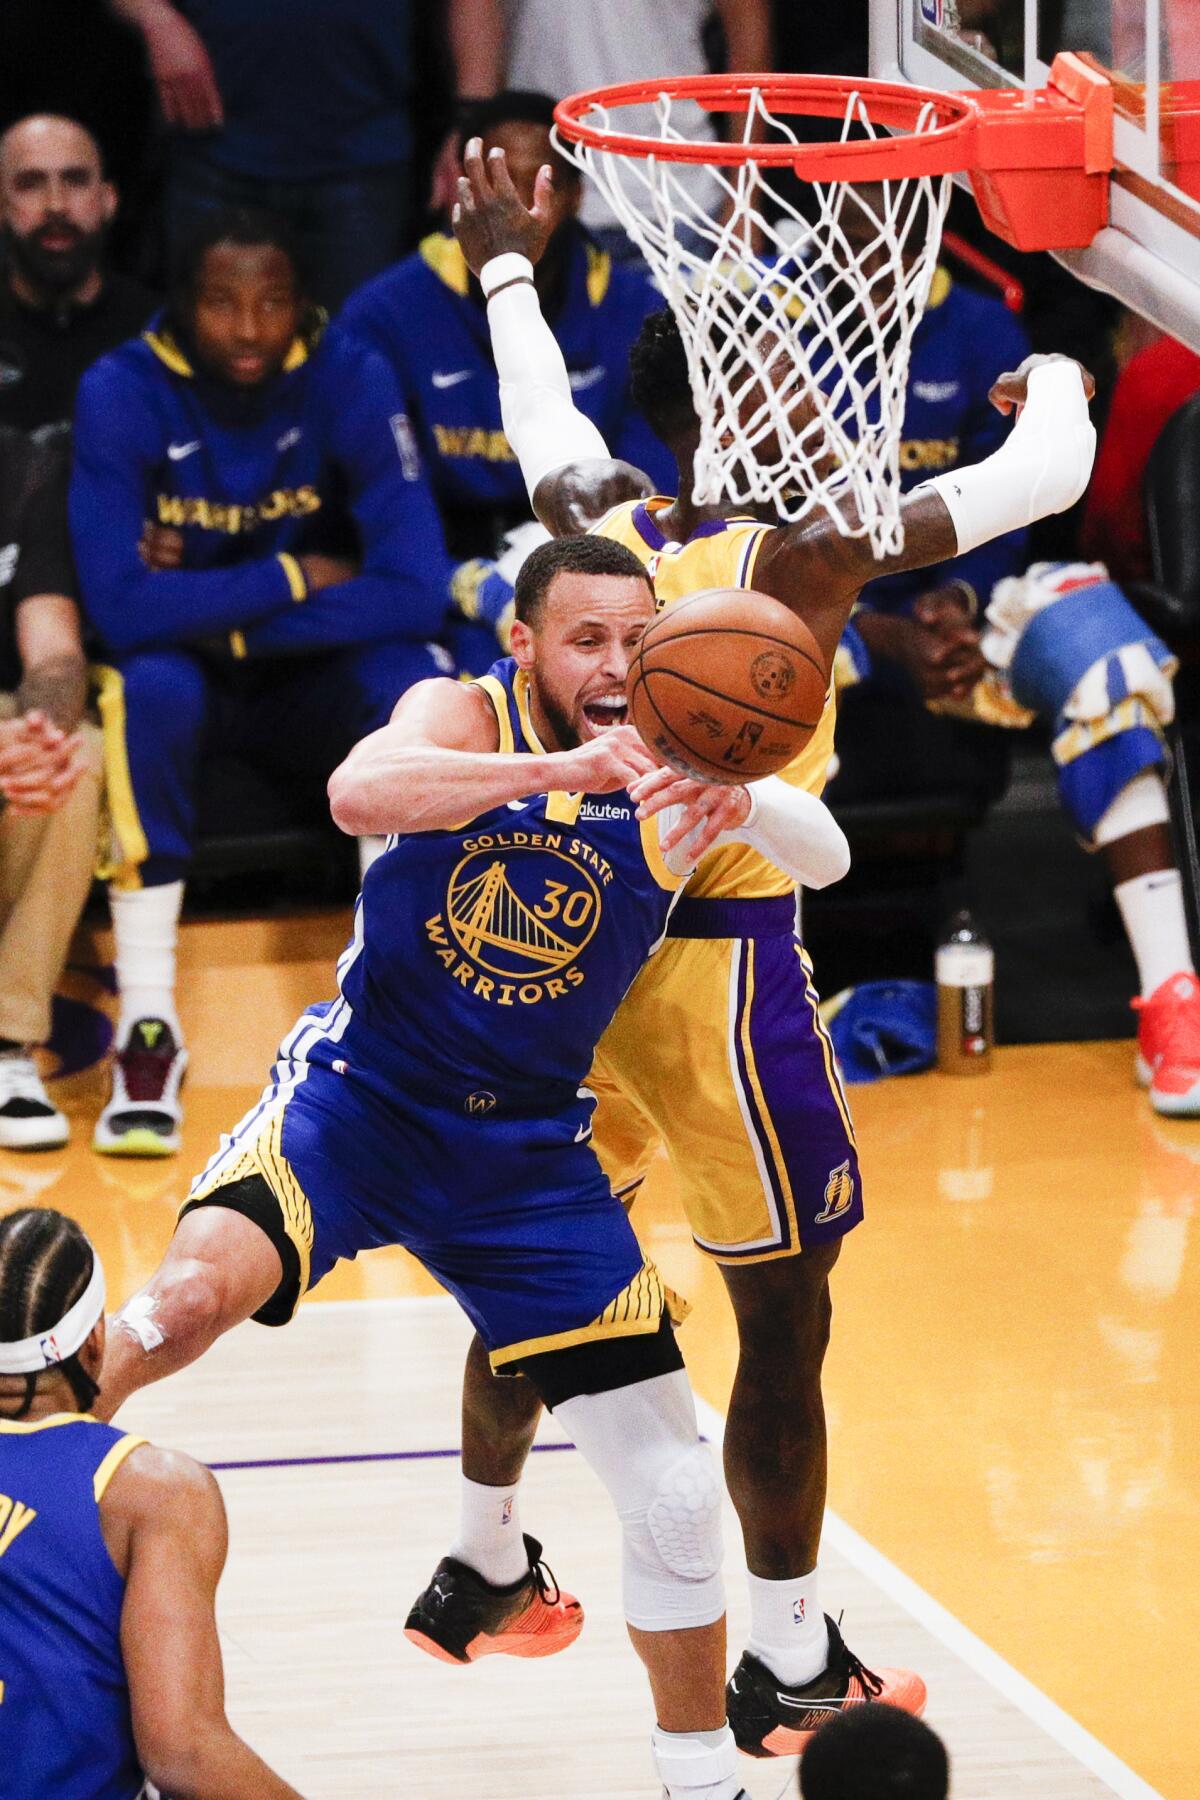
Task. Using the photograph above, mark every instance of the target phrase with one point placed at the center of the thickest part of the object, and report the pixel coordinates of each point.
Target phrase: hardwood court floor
(1013, 1404)
(327, 1554)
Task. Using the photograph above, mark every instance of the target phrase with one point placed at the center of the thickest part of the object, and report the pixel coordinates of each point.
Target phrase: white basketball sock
(1156, 925)
(787, 1627)
(146, 926)
(698, 1765)
(489, 1534)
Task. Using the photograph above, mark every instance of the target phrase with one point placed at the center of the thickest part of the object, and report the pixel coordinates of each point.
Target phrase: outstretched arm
(571, 478)
(435, 764)
(1041, 468)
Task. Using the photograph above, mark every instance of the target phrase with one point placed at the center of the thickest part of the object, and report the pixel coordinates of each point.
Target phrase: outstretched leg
(219, 1269)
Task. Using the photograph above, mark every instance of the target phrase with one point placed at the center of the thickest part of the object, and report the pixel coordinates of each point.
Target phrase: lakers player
(110, 1554)
(718, 1051)
(438, 1102)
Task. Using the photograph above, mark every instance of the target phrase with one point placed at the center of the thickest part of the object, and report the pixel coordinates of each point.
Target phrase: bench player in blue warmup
(439, 1102)
(110, 1554)
(219, 460)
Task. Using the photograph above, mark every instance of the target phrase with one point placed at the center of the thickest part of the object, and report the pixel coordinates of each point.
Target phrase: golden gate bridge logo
(512, 917)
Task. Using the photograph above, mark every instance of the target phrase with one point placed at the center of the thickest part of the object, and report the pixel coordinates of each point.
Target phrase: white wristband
(510, 265)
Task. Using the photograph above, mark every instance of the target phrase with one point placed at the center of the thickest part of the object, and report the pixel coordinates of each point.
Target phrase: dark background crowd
(253, 483)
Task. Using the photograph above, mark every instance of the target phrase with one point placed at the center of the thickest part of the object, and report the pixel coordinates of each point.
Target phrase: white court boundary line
(941, 1624)
(927, 1612)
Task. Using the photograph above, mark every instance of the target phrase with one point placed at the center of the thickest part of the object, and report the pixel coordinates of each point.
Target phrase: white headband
(33, 1354)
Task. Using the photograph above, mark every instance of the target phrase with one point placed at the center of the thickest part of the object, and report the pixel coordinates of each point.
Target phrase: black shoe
(461, 1617)
(768, 1719)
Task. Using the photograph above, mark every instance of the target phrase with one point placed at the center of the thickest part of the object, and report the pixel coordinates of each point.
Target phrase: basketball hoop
(797, 308)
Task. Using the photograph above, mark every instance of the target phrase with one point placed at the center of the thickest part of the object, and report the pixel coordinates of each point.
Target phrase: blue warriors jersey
(251, 480)
(65, 1728)
(492, 957)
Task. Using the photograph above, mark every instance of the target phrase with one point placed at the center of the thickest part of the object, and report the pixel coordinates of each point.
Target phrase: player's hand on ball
(706, 809)
(1010, 390)
(604, 764)
(489, 216)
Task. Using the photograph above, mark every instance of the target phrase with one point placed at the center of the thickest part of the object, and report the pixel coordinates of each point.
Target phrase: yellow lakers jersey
(720, 554)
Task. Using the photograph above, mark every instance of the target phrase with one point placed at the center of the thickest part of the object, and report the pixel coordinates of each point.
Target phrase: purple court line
(367, 1456)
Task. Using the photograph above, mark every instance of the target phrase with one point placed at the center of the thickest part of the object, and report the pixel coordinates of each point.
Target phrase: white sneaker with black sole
(29, 1119)
(143, 1116)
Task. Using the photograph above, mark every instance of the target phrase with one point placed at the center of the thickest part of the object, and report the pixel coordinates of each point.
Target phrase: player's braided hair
(45, 1264)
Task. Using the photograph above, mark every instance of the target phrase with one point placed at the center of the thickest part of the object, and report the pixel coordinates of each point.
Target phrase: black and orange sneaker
(768, 1719)
(461, 1617)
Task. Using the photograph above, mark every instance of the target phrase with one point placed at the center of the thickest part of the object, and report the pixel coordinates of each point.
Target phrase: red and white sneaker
(1168, 1061)
(143, 1116)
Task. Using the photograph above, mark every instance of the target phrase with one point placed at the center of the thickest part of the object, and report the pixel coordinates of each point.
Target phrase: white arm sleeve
(792, 829)
(541, 420)
(1042, 467)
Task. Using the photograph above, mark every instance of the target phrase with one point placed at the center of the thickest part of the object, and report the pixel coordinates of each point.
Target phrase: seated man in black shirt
(49, 775)
(60, 308)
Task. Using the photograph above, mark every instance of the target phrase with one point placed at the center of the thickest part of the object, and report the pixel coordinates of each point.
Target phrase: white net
(797, 306)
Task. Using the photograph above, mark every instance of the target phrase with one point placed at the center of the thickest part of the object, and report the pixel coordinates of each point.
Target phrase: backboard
(1149, 253)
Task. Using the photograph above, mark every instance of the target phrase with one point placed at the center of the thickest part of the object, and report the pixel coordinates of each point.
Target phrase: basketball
(727, 686)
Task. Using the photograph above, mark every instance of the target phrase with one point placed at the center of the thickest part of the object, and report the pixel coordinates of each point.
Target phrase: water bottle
(965, 968)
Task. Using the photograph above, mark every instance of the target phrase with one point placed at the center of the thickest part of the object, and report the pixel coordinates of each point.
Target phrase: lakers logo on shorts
(839, 1194)
(516, 920)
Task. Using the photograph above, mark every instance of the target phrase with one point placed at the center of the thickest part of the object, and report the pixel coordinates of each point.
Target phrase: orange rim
(943, 146)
